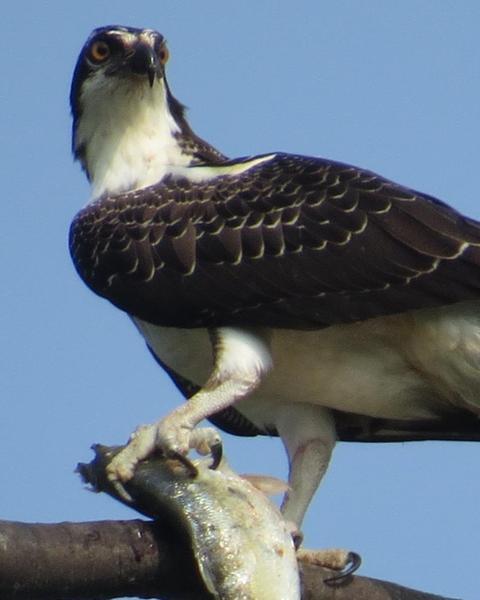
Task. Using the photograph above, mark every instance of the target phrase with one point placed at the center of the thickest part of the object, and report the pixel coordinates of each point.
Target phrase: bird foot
(168, 437)
(344, 562)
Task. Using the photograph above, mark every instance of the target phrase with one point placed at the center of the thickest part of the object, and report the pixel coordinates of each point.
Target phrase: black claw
(186, 462)
(297, 537)
(354, 562)
(216, 451)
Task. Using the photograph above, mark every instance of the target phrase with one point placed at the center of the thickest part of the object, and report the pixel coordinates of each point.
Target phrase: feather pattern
(292, 242)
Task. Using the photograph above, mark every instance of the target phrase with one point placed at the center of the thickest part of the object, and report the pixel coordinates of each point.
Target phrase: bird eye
(163, 55)
(99, 51)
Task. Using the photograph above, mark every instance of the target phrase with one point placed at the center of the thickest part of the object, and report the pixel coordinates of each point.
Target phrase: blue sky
(390, 86)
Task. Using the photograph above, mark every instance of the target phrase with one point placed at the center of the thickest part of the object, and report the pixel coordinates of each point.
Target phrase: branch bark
(146, 559)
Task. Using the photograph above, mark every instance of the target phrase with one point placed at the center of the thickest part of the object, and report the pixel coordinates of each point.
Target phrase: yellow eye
(99, 52)
(163, 55)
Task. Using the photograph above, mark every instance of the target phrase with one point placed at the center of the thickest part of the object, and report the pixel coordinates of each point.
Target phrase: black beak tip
(151, 73)
(145, 62)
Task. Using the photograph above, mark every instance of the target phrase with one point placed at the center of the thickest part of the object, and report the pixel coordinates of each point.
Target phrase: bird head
(126, 123)
(129, 131)
(116, 54)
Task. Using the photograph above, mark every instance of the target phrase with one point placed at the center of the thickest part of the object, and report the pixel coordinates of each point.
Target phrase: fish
(241, 543)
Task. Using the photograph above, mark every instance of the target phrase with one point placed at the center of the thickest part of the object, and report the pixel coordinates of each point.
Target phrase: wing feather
(292, 242)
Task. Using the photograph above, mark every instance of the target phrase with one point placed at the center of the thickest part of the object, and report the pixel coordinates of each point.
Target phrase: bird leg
(309, 435)
(241, 358)
(175, 433)
(309, 439)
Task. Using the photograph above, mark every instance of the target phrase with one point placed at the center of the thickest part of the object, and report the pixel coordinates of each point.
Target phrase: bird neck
(126, 137)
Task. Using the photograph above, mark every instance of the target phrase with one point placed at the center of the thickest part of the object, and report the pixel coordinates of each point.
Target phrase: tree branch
(100, 559)
(109, 559)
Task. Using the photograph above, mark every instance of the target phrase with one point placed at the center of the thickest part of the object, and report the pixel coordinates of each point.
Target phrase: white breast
(408, 366)
(128, 134)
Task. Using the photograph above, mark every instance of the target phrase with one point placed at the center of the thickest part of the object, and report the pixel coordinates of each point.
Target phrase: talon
(297, 537)
(121, 491)
(216, 450)
(207, 442)
(354, 561)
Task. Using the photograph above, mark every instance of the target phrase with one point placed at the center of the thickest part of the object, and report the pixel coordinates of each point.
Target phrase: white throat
(128, 134)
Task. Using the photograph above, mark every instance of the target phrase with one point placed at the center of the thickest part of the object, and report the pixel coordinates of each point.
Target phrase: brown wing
(293, 242)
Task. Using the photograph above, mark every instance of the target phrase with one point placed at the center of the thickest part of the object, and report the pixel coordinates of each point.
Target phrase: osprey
(284, 295)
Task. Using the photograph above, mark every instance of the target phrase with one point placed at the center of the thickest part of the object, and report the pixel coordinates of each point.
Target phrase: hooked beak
(144, 61)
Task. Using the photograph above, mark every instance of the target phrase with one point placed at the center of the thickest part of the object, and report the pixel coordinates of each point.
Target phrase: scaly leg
(241, 359)
(308, 433)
